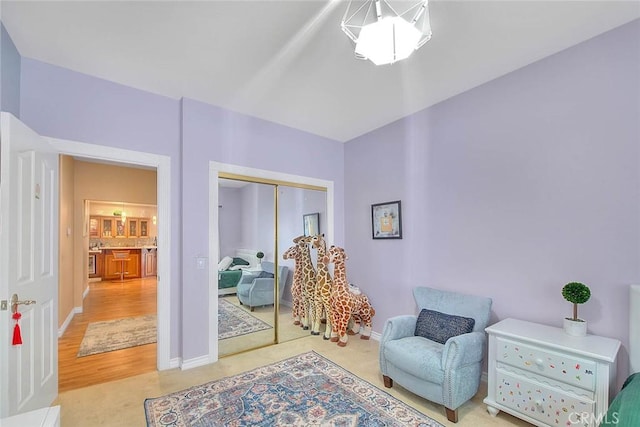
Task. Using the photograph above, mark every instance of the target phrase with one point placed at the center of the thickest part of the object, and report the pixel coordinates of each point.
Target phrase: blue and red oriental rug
(305, 390)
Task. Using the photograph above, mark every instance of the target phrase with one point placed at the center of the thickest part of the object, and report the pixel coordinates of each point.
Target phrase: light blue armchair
(449, 373)
(260, 291)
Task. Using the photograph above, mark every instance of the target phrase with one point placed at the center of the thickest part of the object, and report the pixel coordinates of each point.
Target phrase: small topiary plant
(576, 293)
(260, 255)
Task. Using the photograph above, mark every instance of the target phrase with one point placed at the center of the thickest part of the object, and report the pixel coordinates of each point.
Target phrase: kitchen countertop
(102, 248)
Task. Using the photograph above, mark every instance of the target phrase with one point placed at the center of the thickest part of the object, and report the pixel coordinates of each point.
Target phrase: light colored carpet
(234, 321)
(111, 335)
(305, 390)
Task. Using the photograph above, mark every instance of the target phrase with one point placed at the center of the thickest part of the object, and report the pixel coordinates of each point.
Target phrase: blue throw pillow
(265, 274)
(439, 327)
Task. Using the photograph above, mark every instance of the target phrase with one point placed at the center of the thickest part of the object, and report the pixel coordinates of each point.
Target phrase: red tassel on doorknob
(17, 337)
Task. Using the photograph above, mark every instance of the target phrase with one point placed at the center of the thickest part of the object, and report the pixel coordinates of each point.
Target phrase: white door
(29, 267)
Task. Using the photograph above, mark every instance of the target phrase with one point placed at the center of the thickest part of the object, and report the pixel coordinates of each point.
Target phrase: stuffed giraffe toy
(294, 253)
(308, 283)
(344, 303)
(323, 287)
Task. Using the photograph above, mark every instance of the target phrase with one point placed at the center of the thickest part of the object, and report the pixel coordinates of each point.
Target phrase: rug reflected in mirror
(234, 321)
(111, 335)
(304, 390)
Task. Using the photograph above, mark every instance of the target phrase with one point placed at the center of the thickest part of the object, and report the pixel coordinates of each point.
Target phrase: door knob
(15, 302)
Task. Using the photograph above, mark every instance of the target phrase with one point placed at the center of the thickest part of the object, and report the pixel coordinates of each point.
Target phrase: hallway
(107, 300)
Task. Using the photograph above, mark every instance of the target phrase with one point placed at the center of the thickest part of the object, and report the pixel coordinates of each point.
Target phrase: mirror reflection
(253, 277)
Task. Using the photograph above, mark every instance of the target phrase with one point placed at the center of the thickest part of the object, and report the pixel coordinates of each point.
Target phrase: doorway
(279, 184)
(162, 164)
(103, 300)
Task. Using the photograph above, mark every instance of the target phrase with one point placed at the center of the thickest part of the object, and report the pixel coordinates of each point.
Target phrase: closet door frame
(260, 176)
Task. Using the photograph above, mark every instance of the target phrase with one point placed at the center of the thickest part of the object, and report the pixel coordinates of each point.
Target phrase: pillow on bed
(225, 263)
(240, 261)
(238, 267)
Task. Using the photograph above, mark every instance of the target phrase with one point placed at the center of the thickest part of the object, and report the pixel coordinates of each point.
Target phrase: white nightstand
(542, 375)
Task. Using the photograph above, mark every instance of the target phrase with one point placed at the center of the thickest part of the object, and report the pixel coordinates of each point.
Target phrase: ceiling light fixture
(382, 34)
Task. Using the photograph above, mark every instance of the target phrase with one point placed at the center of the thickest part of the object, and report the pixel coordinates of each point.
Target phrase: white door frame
(163, 167)
(214, 169)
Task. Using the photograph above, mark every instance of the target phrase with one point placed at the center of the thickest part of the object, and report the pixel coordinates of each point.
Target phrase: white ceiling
(289, 62)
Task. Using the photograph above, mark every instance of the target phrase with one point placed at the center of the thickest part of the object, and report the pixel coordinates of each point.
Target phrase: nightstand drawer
(562, 367)
(548, 405)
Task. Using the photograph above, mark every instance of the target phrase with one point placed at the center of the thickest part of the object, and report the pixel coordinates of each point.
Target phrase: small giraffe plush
(344, 303)
(323, 287)
(294, 253)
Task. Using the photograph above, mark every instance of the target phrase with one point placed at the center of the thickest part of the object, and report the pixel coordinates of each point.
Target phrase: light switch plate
(201, 263)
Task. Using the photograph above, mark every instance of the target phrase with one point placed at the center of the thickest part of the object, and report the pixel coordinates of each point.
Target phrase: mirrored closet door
(257, 224)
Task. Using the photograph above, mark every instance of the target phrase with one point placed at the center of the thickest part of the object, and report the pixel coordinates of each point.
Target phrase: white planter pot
(575, 328)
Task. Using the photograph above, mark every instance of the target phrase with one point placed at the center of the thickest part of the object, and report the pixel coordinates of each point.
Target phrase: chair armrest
(398, 327)
(263, 284)
(463, 350)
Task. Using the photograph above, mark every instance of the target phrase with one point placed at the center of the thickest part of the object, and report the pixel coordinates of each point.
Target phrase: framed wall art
(386, 220)
(311, 224)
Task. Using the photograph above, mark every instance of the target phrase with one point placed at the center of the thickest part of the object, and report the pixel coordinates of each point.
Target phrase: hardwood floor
(106, 301)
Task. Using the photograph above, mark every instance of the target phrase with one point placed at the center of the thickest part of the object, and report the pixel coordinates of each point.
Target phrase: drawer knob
(539, 362)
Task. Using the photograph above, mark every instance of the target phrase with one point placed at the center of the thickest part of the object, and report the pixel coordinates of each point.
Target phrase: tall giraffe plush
(294, 253)
(308, 282)
(344, 303)
(323, 287)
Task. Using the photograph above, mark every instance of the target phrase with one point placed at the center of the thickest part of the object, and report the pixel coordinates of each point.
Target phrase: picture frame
(386, 220)
(311, 224)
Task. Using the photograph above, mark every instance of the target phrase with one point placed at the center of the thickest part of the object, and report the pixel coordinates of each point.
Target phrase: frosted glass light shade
(389, 40)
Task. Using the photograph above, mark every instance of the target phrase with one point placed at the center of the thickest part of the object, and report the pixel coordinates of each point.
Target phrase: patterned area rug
(305, 390)
(234, 321)
(101, 337)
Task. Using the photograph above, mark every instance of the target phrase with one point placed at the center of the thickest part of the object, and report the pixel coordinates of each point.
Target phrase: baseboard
(86, 291)
(286, 303)
(67, 321)
(194, 363)
(65, 324)
(175, 362)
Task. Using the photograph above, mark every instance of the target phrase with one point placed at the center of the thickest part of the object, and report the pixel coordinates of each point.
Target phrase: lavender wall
(60, 103)
(9, 74)
(230, 225)
(511, 190)
(214, 134)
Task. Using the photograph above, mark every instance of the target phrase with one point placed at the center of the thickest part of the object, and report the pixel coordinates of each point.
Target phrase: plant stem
(575, 311)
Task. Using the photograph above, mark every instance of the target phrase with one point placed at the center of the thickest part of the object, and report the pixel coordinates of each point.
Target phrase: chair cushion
(416, 356)
(439, 327)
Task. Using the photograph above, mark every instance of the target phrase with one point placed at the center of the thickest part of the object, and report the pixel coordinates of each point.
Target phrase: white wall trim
(86, 292)
(195, 362)
(162, 164)
(214, 169)
(175, 362)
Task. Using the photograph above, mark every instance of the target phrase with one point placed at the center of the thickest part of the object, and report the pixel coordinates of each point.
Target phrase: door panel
(29, 256)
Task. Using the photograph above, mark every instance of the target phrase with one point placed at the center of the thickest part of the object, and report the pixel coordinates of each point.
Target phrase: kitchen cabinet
(132, 227)
(144, 227)
(94, 227)
(121, 229)
(149, 262)
(96, 261)
(107, 227)
(112, 267)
